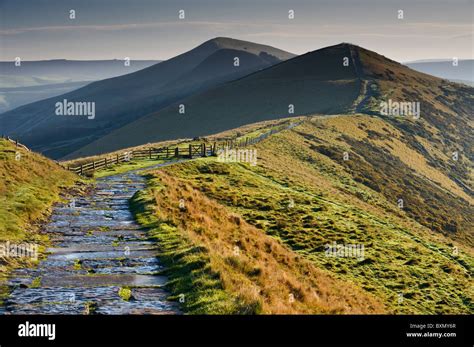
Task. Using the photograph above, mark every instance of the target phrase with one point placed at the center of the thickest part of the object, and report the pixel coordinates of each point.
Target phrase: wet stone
(122, 280)
(97, 248)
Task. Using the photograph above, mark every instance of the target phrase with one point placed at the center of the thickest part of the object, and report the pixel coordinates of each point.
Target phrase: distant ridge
(123, 99)
(33, 73)
(38, 80)
(315, 82)
(463, 71)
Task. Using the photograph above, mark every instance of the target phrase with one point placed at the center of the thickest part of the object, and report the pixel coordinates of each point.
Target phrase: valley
(340, 148)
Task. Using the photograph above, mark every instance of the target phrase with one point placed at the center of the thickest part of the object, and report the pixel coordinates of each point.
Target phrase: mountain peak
(343, 45)
(222, 42)
(359, 55)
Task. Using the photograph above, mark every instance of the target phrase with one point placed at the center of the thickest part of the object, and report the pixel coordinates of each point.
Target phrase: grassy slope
(332, 202)
(28, 188)
(249, 131)
(445, 123)
(222, 264)
(127, 166)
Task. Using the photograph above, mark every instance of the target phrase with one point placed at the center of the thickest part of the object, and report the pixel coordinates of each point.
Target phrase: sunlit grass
(127, 166)
(29, 186)
(401, 256)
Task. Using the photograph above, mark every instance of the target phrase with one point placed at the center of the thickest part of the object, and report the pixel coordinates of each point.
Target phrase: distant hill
(316, 82)
(34, 73)
(469, 83)
(463, 72)
(38, 80)
(124, 99)
(11, 98)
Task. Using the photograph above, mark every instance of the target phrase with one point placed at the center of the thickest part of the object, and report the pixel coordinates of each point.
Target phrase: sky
(151, 29)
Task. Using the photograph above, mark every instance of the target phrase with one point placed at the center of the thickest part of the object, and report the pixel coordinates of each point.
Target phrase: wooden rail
(170, 152)
(161, 153)
(17, 144)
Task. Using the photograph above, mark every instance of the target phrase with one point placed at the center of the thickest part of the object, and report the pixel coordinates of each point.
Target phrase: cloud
(411, 30)
(130, 26)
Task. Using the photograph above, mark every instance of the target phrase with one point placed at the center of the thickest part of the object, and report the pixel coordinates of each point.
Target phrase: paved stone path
(98, 248)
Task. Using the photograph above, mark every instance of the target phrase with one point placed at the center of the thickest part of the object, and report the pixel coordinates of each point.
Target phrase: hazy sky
(150, 29)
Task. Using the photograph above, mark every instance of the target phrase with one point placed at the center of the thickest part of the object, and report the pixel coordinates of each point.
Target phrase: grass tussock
(331, 203)
(29, 185)
(219, 263)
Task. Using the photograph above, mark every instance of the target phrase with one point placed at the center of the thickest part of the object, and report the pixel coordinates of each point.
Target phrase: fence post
(106, 162)
(81, 169)
(176, 152)
(190, 151)
(117, 158)
(167, 152)
(203, 149)
(149, 150)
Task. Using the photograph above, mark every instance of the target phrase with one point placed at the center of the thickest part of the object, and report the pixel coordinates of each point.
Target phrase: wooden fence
(17, 144)
(162, 153)
(170, 152)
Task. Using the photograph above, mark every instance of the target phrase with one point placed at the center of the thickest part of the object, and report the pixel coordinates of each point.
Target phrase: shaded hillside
(304, 194)
(444, 128)
(123, 99)
(314, 82)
